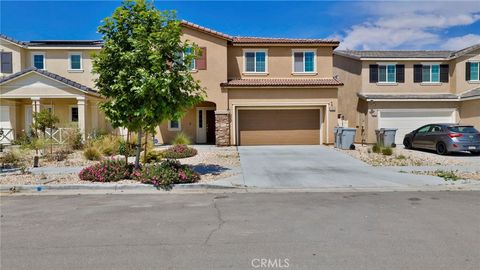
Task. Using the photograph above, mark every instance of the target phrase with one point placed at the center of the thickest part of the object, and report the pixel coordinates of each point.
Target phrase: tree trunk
(145, 151)
(139, 149)
(127, 148)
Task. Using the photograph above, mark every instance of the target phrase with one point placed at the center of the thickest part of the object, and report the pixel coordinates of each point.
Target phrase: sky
(361, 25)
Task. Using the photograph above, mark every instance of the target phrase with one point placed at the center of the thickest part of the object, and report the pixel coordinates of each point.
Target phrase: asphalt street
(362, 230)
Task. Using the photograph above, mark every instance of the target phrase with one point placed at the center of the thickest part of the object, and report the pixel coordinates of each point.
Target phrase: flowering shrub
(179, 151)
(165, 174)
(108, 170)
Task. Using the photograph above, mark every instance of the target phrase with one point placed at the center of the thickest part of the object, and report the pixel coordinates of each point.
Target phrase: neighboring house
(407, 89)
(53, 75)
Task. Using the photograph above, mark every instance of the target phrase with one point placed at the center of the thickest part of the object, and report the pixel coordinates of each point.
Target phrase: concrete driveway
(318, 167)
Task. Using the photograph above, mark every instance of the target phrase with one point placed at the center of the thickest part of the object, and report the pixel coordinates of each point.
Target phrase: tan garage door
(282, 126)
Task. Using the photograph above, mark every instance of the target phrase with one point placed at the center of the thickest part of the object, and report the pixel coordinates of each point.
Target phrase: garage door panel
(407, 121)
(282, 126)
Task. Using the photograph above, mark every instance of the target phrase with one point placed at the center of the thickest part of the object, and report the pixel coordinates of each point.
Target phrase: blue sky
(359, 25)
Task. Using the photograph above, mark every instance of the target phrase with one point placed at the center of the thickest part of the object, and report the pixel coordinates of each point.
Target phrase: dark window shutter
(467, 71)
(6, 66)
(417, 73)
(400, 70)
(373, 73)
(201, 60)
(444, 73)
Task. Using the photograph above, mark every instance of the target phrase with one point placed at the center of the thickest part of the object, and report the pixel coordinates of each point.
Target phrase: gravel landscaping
(406, 157)
(211, 162)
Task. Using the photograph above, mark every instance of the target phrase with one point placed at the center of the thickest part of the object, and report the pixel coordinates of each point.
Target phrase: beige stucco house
(259, 90)
(407, 89)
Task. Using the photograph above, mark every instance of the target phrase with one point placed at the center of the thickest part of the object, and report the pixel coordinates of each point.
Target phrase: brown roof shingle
(285, 82)
(262, 40)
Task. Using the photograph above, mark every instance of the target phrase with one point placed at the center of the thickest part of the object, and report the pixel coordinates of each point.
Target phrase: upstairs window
(304, 61)
(193, 64)
(255, 61)
(472, 71)
(386, 74)
(6, 62)
(75, 61)
(431, 73)
(39, 60)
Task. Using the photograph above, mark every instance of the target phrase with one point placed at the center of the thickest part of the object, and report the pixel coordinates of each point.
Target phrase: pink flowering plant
(108, 170)
(166, 174)
(179, 151)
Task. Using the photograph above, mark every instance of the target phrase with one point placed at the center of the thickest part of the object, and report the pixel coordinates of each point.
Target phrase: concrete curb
(106, 187)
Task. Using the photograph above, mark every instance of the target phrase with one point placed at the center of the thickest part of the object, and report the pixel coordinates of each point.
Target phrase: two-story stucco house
(407, 89)
(259, 90)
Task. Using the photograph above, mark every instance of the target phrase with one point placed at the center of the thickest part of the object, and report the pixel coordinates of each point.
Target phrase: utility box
(347, 138)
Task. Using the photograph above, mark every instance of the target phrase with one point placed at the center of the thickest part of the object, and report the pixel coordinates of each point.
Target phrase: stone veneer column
(222, 128)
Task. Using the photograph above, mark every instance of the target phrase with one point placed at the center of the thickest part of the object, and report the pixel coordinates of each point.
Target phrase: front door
(211, 126)
(204, 121)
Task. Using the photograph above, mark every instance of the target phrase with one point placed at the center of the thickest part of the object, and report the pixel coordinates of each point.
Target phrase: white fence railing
(6, 136)
(58, 135)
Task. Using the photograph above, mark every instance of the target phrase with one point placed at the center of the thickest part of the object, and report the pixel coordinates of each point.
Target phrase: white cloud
(411, 25)
(457, 43)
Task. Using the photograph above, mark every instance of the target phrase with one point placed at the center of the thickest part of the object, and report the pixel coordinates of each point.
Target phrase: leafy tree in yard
(143, 69)
(43, 120)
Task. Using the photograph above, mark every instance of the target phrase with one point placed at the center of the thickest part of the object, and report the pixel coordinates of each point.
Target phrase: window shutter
(467, 71)
(400, 70)
(417, 73)
(201, 61)
(6, 65)
(444, 73)
(373, 73)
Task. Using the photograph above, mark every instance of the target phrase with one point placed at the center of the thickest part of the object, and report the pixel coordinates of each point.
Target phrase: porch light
(331, 108)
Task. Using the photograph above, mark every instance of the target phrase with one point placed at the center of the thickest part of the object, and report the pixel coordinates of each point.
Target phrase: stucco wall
(280, 62)
(216, 71)
(463, 85)
(18, 56)
(408, 86)
(470, 112)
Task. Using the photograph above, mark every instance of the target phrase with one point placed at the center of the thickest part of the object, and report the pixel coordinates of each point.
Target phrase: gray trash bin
(347, 138)
(388, 136)
(338, 136)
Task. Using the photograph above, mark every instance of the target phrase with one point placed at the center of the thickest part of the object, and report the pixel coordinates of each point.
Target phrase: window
(39, 60)
(75, 60)
(6, 62)
(174, 125)
(386, 73)
(193, 64)
(431, 73)
(74, 114)
(255, 61)
(424, 129)
(474, 71)
(304, 61)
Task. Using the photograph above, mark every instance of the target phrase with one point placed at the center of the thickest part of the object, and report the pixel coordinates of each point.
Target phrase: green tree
(43, 120)
(143, 69)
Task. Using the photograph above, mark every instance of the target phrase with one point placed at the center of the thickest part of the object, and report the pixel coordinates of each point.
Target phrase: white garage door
(5, 125)
(406, 121)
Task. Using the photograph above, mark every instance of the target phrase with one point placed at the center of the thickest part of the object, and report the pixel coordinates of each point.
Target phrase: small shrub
(376, 148)
(13, 158)
(387, 151)
(179, 151)
(108, 144)
(447, 175)
(401, 157)
(92, 153)
(59, 155)
(109, 170)
(23, 140)
(73, 139)
(153, 156)
(165, 174)
(181, 139)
